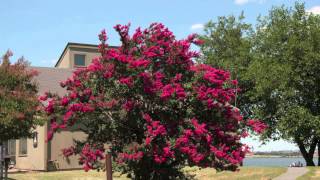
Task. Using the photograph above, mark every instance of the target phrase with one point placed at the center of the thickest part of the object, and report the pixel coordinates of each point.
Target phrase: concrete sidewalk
(292, 173)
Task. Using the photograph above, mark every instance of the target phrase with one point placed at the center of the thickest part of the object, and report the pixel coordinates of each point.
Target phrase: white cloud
(196, 27)
(48, 62)
(280, 145)
(262, 1)
(314, 10)
(241, 2)
(53, 61)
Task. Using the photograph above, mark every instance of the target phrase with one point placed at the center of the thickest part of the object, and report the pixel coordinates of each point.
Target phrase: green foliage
(227, 45)
(18, 99)
(285, 71)
(277, 66)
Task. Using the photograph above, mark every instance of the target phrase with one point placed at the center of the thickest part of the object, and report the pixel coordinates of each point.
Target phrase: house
(36, 153)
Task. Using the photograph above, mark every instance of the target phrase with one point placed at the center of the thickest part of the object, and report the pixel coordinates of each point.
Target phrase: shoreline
(275, 156)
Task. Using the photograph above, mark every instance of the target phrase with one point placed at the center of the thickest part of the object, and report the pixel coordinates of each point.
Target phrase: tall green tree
(285, 73)
(227, 45)
(18, 99)
(277, 68)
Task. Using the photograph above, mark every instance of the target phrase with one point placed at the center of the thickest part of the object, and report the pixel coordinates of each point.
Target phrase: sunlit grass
(312, 174)
(245, 173)
(65, 175)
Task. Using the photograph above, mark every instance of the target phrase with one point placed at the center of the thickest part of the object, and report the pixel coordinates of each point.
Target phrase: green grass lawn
(245, 173)
(64, 175)
(313, 174)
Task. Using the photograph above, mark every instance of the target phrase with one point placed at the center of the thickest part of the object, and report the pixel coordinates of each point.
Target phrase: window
(5, 145)
(79, 60)
(11, 147)
(10, 150)
(23, 148)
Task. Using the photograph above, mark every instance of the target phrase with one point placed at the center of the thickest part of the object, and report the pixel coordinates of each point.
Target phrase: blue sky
(40, 29)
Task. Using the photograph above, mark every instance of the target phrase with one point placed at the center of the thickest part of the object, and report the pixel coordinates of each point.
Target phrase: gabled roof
(49, 79)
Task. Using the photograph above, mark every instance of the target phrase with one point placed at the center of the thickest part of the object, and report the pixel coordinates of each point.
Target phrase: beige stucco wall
(65, 62)
(36, 156)
(61, 140)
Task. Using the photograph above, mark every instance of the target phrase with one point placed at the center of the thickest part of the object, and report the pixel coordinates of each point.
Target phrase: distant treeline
(278, 153)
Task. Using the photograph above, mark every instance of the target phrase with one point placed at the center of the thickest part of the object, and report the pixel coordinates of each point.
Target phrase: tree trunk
(108, 167)
(308, 156)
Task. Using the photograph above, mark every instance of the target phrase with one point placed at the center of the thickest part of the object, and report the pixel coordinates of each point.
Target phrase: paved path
(292, 173)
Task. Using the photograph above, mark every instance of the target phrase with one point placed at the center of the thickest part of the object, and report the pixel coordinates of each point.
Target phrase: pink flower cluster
(212, 90)
(124, 157)
(162, 155)
(154, 128)
(152, 83)
(68, 151)
(257, 125)
(127, 81)
(170, 89)
(89, 155)
(133, 153)
(128, 105)
(188, 142)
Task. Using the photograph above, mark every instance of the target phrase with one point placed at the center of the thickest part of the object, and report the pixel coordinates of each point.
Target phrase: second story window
(79, 60)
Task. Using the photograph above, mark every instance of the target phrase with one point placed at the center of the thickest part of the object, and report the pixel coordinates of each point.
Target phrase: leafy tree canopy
(285, 71)
(277, 66)
(18, 99)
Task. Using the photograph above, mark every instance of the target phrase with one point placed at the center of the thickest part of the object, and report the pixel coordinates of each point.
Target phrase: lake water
(274, 161)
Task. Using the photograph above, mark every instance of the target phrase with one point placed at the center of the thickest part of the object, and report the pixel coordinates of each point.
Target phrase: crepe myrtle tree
(18, 99)
(156, 109)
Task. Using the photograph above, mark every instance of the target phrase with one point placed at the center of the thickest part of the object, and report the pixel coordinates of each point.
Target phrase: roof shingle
(49, 79)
